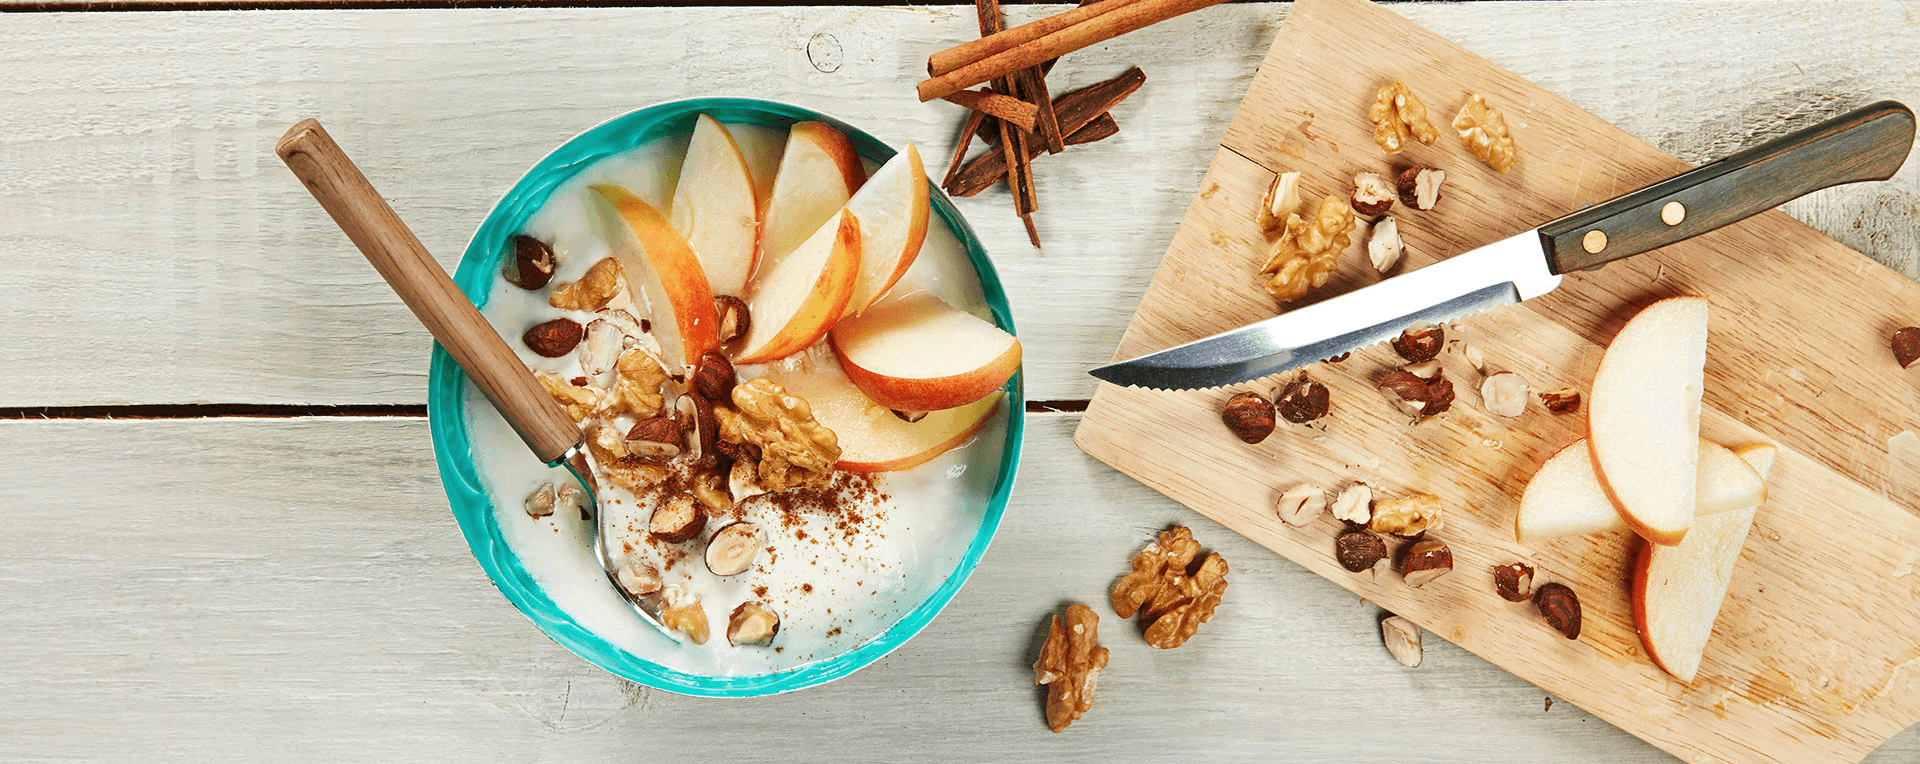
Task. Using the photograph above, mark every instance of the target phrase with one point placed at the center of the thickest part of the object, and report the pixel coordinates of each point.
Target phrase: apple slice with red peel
(894, 208)
(1643, 417)
(872, 437)
(716, 208)
(1678, 590)
(1564, 497)
(662, 267)
(800, 295)
(818, 173)
(914, 352)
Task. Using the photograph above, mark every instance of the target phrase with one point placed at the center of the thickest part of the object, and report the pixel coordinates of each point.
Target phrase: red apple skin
(1641, 562)
(678, 268)
(916, 235)
(1642, 529)
(931, 393)
(836, 145)
(928, 455)
(824, 304)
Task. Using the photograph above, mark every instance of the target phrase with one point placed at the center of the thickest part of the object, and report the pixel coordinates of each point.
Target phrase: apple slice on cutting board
(663, 269)
(893, 208)
(715, 207)
(1564, 497)
(1678, 590)
(913, 352)
(1643, 422)
(818, 174)
(873, 438)
(799, 296)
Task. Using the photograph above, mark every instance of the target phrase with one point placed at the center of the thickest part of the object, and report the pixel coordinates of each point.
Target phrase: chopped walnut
(1070, 664)
(608, 445)
(1410, 515)
(1484, 131)
(684, 614)
(1283, 197)
(1200, 592)
(1306, 254)
(795, 450)
(638, 376)
(1396, 116)
(1173, 551)
(593, 291)
(578, 402)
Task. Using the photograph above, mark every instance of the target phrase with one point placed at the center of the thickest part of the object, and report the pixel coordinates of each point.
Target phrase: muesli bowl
(898, 563)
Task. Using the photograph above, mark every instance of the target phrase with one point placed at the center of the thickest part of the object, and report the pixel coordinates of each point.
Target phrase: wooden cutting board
(1816, 654)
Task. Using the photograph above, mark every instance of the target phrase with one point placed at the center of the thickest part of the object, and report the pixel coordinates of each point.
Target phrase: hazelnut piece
(695, 415)
(1384, 245)
(1419, 187)
(637, 577)
(1565, 400)
(732, 549)
(601, 349)
(1358, 550)
(677, 519)
(734, 321)
(1420, 342)
(1504, 393)
(540, 502)
(752, 624)
(714, 379)
(1560, 606)
(1425, 561)
(531, 265)
(1427, 369)
(1283, 197)
(571, 497)
(1420, 396)
(1372, 194)
(1402, 639)
(554, 338)
(1355, 504)
(1300, 504)
(656, 439)
(1906, 345)
(1302, 400)
(1249, 416)
(1514, 582)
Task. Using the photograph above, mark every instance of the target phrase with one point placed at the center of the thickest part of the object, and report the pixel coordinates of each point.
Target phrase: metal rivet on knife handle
(1594, 241)
(1673, 213)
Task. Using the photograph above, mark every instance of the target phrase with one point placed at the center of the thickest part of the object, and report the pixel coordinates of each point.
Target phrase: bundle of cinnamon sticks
(1016, 109)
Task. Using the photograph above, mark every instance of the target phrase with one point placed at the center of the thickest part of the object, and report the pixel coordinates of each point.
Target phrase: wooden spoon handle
(425, 287)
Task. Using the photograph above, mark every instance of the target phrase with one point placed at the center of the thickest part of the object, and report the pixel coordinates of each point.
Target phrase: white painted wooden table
(293, 587)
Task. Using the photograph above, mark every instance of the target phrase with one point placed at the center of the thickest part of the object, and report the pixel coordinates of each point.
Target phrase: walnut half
(795, 450)
(1397, 115)
(1306, 253)
(1484, 130)
(1070, 664)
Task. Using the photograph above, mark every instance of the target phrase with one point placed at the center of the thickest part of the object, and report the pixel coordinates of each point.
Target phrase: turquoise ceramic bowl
(448, 389)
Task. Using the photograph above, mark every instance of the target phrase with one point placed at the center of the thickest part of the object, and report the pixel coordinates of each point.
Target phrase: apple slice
(818, 174)
(1564, 497)
(1644, 418)
(872, 438)
(800, 295)
(666, 273)
(893, 208)
(715, 207)
(1678, 590)
(914, 352)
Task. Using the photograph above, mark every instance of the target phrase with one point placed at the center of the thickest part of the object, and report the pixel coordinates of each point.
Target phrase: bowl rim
(446, 399)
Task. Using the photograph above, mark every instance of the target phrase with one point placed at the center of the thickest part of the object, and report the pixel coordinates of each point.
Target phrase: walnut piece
(578, 402)
(1355, 504)
(684, 614)
(1409, 515)
(1504, 393)
(1283, 197)
(638, 376)
(1306, 253)
(1384, 245)
(1168, 556)
(594, 289)
(608, 445)
(1070, 664)
(1200, 595)
(1396, 116)
(1484, 130)
(1300, 504)
(1402, 639)
(795, 450)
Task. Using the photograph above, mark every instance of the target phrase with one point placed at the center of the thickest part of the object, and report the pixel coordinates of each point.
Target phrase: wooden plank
(215, 592)
(1814, 654)
(157, 237)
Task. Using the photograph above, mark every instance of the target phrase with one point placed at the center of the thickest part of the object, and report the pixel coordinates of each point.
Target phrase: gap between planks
(295, 411)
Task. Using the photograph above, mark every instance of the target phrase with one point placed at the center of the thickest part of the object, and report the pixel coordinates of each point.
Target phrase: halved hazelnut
(1359, 550)
(638, 577)
(531, 265)
(1514, 582)
(1419, 187)
(1420, 342)
(656, 439)
(1560, 606)
(1384, 245)
(752, 624)
(732, 549)
(1372, 195)
(1300, 504)
(1402, 639)
(1425, 561)
(697, 423)
(1355, 504)
(554, 338)
(677, 519)
(1302, 400)
(734, 321)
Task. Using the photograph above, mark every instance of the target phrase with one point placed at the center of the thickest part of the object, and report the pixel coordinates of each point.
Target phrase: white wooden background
(295, 588)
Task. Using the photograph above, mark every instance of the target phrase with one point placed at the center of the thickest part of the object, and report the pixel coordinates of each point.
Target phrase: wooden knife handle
(1867, 144)
(425, 287)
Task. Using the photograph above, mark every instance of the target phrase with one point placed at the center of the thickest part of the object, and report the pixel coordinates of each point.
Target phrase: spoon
(449, 316)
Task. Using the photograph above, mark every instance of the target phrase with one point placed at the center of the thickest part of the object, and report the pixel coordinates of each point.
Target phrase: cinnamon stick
(1033, 87)
(1076, 109)
(986, 170)
(1013, 144)
(960, 146)
(960, 55)
(1115, 21)
(1005, 107)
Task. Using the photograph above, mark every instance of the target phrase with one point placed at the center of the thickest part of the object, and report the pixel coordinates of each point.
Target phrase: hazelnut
(656, 439)
(531, 265)
(1402, 639)
(1504, 394)
(1560, 606)
(714, 378)
(639, 578)
(1300, 504)
(1384, 245)
(572, 498)
(604, 343)
(554, 338)
(1514, 582)
(1420, 396)
(1565, 400)
(1355, 504)
(734, 321)
(677, 519)
(1302, 400)
(1425, 561)
(540, 502)
(1249, 416)
(1426, 370)
(1420, 342)
(752, 624)
(696, 418)
(1419, 187)
(1372, 195)
(732, 549)
(1358, 550)
(1906, 345)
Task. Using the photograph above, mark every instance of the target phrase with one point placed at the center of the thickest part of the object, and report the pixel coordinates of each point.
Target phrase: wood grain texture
(137, 171)
(1817, 656)
(298, 589)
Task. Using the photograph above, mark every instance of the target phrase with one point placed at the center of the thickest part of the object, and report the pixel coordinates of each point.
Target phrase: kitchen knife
(1867, 144)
